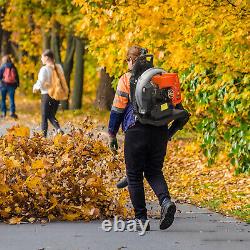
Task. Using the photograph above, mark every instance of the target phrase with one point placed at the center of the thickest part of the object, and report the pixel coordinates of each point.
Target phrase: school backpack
(9, 75)
(58, 88)
(155, 94)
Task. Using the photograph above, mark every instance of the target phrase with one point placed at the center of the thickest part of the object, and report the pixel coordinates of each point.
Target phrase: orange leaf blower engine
(155, 93)
(169, 87)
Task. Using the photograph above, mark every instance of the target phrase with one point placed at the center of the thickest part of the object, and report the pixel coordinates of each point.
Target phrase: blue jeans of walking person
(11, 91)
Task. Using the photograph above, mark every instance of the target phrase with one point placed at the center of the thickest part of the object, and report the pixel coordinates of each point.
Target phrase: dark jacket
(2, 68)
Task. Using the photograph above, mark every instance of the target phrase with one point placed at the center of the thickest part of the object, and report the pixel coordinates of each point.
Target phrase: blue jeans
(11, 91)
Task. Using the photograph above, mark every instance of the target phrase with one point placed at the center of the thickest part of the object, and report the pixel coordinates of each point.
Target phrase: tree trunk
(55, 42)
(5, 45)
(79, 71)
(2, 11)
(68, 64)
(5, 35)
(105, 93)
(1, 35)
(31, 22)
(15, 52)
(46, 40)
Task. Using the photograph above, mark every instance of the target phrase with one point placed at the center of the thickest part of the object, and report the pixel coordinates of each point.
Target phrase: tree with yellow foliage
(206, 42)
(32, 26)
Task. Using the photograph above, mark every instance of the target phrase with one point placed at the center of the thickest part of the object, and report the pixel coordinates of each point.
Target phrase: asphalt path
(193, 229)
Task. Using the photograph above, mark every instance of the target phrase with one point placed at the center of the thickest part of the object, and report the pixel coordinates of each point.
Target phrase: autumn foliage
(206, 42)
(73, 176)
(216, 187)
(68, 177)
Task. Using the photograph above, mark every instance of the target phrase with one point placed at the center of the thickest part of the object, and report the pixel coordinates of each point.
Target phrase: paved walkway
(5, 125)
(193, 229)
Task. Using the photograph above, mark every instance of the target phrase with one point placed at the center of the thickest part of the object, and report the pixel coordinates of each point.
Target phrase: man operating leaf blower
(147, 99)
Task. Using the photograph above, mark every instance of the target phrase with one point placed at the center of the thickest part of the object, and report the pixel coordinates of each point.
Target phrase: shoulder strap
(10, 68)
(140, 66)
(132, 83)
(57, 69)
(7, 67)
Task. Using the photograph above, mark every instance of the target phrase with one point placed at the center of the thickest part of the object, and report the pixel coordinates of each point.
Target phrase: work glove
(113, 143)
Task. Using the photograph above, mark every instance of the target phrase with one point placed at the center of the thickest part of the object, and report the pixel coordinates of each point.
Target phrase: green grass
(213, 204)
(243, 213)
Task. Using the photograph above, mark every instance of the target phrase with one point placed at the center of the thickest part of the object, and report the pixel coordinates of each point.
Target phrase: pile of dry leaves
(68, 177)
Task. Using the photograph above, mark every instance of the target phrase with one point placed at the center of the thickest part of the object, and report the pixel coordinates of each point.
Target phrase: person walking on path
(144, 149)
(48, 73)
(9, 81)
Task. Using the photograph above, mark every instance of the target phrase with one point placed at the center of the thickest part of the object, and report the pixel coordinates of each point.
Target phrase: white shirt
(44, 76)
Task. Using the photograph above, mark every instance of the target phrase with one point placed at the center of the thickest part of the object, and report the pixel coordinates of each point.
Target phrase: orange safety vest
(122, 93)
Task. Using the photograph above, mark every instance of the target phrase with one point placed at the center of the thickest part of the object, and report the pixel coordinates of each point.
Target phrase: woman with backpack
(9, 81)
(52, 84)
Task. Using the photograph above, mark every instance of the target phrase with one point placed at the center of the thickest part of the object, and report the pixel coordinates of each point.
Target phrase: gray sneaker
(168, 210)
